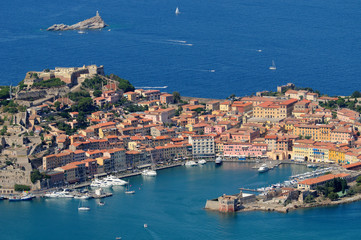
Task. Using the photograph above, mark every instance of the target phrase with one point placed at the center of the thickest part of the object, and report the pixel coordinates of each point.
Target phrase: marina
(166, 208)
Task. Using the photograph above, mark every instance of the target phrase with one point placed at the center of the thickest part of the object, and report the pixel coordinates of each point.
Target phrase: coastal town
(67, 126)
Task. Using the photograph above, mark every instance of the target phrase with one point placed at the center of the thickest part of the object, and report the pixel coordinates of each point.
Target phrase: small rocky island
(95, 22)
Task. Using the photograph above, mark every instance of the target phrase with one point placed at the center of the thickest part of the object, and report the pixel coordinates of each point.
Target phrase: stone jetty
(95, 22)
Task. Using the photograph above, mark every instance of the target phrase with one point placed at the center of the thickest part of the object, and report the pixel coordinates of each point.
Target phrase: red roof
(352, 165)
(323, 178)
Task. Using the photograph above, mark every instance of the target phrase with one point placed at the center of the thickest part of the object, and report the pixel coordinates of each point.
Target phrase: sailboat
(82, 208)
(273, 67)
(177, 11)
(150, 172)
(128, 191)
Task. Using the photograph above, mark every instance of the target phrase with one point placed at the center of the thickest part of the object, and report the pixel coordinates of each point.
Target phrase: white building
(202, 145)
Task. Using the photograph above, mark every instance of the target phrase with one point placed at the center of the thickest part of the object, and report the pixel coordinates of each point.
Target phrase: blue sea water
(172, 206)
(314, 43)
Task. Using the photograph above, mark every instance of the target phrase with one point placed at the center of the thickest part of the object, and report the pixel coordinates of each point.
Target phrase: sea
(213, 48)
(172, 205)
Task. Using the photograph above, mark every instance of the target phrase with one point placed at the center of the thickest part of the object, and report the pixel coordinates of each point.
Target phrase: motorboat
(22, 197)
(101, 203)
(190, 163)
(218, 161)
(149, 172)
(263, 168)
(311, 165)
(202, 162)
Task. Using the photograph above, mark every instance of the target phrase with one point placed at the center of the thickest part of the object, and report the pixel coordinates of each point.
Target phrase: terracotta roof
(323, 178)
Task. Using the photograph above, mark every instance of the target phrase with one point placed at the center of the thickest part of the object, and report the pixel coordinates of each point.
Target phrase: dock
(249, 190)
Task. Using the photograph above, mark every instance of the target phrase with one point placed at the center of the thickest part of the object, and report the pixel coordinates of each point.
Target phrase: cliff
(95, 22)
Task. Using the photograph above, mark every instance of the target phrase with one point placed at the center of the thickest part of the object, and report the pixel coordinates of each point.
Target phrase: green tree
(332, 196)
(97, 93)
(123, 84)
(35, 176)
(358, 180)
(176, 97)
(356, 94)
(4, 130)
(20, 188)
(57, 105)
(309, 198)
(5, 92)
(52, 82)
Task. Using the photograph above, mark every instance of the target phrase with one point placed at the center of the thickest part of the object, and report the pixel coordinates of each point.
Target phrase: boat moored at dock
(202, 162)
(190, 163)
(149, 173)
(219, 160)
(263, 168)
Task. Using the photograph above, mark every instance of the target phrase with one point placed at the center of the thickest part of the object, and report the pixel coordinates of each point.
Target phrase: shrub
(20, 188)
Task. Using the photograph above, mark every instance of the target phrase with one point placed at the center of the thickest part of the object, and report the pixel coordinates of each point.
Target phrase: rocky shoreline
(275, 207)
(95, 22)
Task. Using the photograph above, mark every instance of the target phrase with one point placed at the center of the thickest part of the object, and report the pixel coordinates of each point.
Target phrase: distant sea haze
(211, 49)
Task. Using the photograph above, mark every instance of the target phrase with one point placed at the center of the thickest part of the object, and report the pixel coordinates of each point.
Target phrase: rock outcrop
(95, 22)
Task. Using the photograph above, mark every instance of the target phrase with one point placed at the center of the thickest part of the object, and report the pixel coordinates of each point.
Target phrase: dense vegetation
(65, 127)
(20, 188)
(94, 83)
(76, 96)
(331, 188)
(36, 175)
(5, 92)
(11, 107)
(52, 82)
(176, 97)
(123, 84)
(135, 108)
(84, 105)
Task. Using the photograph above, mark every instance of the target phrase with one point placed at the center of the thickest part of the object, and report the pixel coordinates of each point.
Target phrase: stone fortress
(71, 76)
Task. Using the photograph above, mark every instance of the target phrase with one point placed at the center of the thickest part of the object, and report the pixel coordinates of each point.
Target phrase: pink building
(219, 129)
(244, 149)
(111, 96)
(208, 129)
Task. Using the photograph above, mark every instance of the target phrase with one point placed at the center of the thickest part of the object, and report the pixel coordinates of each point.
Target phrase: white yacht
(190, 163)
(202, 162)
(273, 67)
(83, 197)
(115, 181)
(218, 160)
(149, 172)
(263, 168)
(51, 195)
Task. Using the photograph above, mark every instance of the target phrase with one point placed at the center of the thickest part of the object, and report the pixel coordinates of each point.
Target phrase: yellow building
(278, 110)
(315, 132)
(225, 106)
(337, 155)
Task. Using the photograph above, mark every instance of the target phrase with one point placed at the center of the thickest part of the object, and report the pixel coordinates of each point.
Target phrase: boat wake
(177, 41)
(201, 70)
(152, 234)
